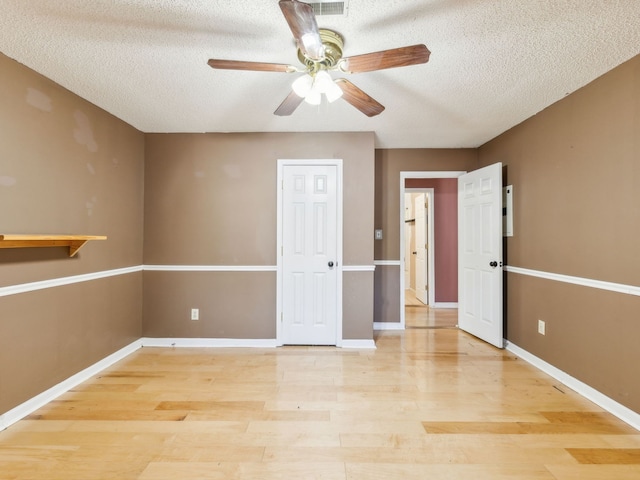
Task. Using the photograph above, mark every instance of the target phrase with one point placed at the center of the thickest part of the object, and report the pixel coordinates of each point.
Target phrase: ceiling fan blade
(254, 66)
(396, 57)
(358, 98)
(289, 104)
(303, 25)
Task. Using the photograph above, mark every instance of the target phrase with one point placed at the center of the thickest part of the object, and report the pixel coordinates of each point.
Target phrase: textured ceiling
(494, 63)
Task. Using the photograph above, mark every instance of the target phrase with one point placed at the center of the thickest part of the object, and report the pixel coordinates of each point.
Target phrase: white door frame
(403, 177)
(279, 275)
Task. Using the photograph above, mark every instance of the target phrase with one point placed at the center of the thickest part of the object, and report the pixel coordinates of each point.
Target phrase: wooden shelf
(74, 242)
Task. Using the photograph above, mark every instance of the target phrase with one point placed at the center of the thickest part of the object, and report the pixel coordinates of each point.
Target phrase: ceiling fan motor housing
(333, 44)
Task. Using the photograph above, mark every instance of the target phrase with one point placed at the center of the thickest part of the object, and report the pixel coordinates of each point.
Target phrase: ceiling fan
(320, 51)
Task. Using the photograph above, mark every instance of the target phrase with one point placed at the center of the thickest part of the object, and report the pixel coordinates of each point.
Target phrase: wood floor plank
(521, 428)
(244, 471)
(622, 441)
(365, 454)
(377, 471)
(212, 406)
(113, 415)
(610, 456)
(264, 415)
(595, 472)
(220, 428)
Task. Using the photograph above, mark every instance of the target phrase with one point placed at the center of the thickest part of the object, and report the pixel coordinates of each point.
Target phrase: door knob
(330, 264)
(493, 264)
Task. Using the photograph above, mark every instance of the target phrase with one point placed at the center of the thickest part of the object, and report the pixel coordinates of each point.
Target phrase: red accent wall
(445, 228)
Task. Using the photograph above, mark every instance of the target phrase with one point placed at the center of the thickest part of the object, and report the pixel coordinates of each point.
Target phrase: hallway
(419, 315)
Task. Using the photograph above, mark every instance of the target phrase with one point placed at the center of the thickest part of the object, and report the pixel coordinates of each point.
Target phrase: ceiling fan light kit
(312, 86)
(302, 85)
(320, 51)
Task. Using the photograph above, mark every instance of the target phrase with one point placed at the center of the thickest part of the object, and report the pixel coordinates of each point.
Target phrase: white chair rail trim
(585, 282)
(58, 282)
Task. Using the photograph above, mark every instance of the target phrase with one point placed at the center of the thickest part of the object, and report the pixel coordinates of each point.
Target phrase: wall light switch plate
(195, 314)
(542, 327)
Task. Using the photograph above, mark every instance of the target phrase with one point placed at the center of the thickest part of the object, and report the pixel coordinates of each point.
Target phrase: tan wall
(575, 170)
(231, 304)
(49, 335)
(357, 306)
(210, 199)
(65, 167)
(389, 164)
(387, 293)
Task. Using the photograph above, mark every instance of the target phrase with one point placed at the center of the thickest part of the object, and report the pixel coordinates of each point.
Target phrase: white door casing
(407, 259)
(309, 263)
(420, 209)
(408, 234)
(480, 254)
(431, 246)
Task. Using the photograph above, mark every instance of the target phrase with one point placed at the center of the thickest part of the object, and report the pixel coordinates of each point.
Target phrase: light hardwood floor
(410, 299)
(426, 404)
(419, 315)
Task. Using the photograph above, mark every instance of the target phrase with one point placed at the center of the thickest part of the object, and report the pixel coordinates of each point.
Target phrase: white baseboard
(445, 305)
(623, 413)
(31, 405)
(369, 344)
(388, 326)
(209, 342)
(235, 343)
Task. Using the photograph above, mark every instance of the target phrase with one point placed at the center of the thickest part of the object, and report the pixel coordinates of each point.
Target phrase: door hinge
(281, 317)
(281, 251)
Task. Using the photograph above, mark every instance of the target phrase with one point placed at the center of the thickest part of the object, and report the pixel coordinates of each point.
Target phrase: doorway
(440, 310)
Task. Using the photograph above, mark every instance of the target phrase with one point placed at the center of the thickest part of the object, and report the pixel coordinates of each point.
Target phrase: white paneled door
(480, 253)
(420, 209)
(309, 255)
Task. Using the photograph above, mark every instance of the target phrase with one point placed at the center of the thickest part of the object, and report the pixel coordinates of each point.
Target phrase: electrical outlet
(195, 314)
(542, 327)
(378, 234)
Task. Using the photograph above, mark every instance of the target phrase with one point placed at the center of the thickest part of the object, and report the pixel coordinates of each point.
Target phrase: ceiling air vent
(330, 8)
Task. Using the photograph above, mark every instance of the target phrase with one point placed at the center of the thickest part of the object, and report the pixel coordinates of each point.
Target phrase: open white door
(480, 254)
(420, 209)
